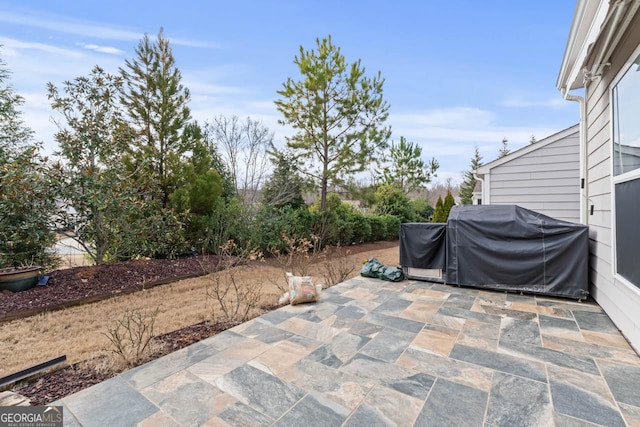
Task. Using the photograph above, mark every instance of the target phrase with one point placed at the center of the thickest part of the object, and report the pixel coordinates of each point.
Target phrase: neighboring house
(602, 57)
(543, 176)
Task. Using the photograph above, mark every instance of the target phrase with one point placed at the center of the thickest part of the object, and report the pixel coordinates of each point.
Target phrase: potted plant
(18, 278)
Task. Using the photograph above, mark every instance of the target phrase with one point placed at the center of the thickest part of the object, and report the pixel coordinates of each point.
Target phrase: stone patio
(374, 353)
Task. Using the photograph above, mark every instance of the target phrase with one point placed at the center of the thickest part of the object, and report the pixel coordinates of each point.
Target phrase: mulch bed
(82, 285)
(55, 385)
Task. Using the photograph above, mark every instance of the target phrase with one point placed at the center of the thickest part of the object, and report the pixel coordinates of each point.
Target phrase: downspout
(584, 171)
(476, 176)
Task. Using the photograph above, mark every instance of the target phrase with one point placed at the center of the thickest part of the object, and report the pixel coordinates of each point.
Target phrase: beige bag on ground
(301, 289)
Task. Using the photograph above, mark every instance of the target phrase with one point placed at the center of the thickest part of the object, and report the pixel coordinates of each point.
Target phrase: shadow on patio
(374, 353)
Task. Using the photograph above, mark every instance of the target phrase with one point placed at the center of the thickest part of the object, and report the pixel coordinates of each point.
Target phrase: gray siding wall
(621, 302)
(546, 180)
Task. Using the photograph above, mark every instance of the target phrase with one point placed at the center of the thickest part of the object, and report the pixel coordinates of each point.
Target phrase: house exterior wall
(619, 300)
(546, 180)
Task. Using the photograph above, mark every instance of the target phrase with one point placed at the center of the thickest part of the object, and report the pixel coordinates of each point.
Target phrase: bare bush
(296, 258)
(131, 335)
(232, 300)
(337, 266)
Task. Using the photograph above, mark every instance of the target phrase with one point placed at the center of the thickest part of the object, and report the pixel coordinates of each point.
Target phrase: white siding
(546, 180)
(620, 301)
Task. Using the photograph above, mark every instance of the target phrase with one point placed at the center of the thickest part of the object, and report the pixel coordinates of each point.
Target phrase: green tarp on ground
(373, 268)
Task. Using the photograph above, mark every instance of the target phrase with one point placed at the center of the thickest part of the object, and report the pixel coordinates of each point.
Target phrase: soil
(88, 284)
(81, 285)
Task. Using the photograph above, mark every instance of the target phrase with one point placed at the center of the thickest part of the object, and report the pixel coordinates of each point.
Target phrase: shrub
(391, 226)
(378, 227)
(393, 201)
(131, 334)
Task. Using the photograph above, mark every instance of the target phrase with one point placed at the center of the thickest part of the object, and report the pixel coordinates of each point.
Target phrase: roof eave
(585, 28)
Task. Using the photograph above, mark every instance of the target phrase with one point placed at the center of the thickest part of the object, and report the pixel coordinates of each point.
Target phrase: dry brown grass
(78, 332)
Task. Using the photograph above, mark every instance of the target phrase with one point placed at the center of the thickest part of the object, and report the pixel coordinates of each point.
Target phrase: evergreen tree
(157, 105)
(504, 150)
(438, 214)
(407, 170)
(98, 202)
(338, 115)
(449, 202)
(469, 182)
(284, 187)
(27, 191)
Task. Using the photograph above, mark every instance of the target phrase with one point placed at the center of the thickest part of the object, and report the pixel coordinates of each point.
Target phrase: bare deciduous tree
(243, 146)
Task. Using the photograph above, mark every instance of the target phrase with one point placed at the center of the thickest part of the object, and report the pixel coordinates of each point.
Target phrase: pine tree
(338, 115)
(469, 183)
(438, 214)
(504, 150)
(406, 169)
(157, 105)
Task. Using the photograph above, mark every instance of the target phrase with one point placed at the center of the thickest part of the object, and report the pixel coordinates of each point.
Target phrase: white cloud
(11, 47)
(102, 49)
(87, 29)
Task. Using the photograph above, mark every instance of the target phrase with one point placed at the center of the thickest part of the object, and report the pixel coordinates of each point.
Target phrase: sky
(457, 74)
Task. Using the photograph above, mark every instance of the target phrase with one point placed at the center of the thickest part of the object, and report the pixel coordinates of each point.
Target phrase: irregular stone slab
(9, 398)
(581, 348)
(506, 312)
(223, 340)
(156, 370)
(98, 405)
(462, 301)
(392, 306)
(480, 335)
(393, 322)
(623, 380)
(213, 367)
(435, 338)
(522, 331)
(595, 322)
(500, 362)
(575, 402)
(467, 314)
(385, 407)
(631, 414)
(314, 411)
(452, 404)
(267, 394)
(518, 401)
(280, 357)
(188, 399)
(345, 389)
(240, 414)
(609, 340)
(339, 350)
(546, 355)
(309, 329)
(445, 367)
(559, 327)
(407, 381)
(388, 344)
(159, 419)
(263, 331)
(277, 316)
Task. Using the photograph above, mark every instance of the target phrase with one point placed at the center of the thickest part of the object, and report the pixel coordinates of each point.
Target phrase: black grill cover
(507, 247)
(422, 245)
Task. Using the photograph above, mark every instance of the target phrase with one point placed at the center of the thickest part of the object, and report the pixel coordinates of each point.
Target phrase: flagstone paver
(374, 353)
